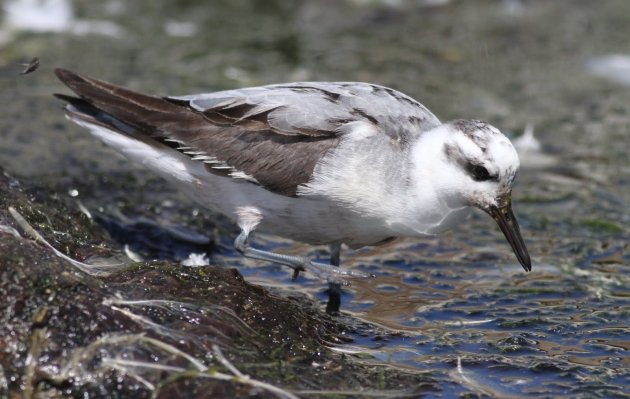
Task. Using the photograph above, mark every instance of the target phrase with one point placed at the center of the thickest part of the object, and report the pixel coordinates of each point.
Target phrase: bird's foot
(296, 273)
(333, 274)
(323, 271)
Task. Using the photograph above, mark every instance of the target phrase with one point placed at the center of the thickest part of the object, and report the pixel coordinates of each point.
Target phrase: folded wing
(272, 135)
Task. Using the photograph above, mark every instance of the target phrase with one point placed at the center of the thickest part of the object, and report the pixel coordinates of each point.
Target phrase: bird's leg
(335, 254)
(334, 289)
(323, 271)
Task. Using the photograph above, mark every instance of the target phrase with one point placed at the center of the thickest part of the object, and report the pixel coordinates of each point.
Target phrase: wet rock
(153, 329)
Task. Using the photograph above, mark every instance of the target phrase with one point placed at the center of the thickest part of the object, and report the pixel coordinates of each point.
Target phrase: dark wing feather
(231, 136)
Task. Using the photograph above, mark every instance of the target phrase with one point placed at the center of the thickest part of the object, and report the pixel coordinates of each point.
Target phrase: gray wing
(320, 109)
(272, 135)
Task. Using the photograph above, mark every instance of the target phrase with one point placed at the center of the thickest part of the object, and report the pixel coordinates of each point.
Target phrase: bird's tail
(128, 122)
(116, 107)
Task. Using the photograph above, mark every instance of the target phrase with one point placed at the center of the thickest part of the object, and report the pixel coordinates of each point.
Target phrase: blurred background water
(554, 76)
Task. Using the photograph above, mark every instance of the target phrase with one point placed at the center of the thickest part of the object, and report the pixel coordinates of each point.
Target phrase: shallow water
(562, 330)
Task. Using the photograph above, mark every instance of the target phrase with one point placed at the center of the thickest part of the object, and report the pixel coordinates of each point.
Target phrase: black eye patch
(480, 173)
(477, 171)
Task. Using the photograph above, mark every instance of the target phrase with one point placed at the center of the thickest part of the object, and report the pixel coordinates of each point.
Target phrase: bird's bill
(509, 226)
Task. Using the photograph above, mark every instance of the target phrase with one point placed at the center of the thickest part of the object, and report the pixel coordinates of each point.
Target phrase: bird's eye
(479, 173)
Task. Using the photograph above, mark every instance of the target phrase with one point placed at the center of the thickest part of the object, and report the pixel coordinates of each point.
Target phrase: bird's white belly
(318, 221)
(309, 220)
(314, 220)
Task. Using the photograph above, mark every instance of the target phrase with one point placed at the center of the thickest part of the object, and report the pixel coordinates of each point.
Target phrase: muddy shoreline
(61, 327)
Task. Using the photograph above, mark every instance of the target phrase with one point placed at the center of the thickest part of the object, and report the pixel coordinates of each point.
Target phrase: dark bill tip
(509, 226)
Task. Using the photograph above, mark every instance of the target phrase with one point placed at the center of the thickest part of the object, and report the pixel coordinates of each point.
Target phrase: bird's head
(480, 165)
